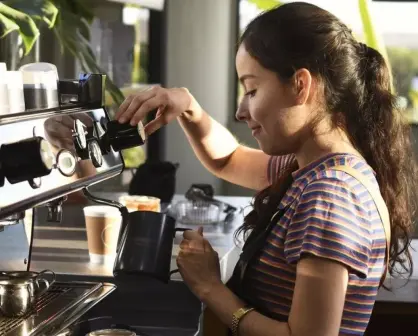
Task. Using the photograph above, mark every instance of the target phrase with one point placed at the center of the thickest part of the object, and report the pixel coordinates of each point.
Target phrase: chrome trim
(59, 313)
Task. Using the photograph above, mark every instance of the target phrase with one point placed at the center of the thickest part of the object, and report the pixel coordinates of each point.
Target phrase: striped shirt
(328, 214)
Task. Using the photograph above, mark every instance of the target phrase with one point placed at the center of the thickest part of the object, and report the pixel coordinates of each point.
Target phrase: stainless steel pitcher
(20, 290)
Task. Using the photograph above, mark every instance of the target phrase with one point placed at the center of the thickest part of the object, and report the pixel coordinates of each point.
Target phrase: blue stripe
(310, 226)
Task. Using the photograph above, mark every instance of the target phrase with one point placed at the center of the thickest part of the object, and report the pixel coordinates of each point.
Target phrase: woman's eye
(251, 93)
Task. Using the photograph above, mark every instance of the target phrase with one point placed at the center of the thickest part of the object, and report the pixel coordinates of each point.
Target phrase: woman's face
(278, 114)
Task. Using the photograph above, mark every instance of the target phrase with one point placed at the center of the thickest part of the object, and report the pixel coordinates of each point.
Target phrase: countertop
(63, 248)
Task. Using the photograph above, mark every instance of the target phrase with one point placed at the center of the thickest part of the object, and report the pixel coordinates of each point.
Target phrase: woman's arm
(212, 143)
(317, 304)
(220, 152)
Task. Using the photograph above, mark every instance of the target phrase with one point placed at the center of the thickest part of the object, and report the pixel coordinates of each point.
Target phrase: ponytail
(383, 137)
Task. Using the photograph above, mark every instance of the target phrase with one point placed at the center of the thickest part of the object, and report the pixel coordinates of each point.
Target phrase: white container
(40, 85)
(15, 87)
(40, 89)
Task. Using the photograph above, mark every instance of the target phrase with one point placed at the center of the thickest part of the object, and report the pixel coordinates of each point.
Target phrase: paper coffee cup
(102, 226)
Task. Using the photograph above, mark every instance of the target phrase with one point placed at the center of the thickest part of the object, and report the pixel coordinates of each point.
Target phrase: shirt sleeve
(277, 165)
(330, 222)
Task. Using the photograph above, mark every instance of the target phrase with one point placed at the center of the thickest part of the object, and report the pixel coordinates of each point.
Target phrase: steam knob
(122, 136)
(26, 160)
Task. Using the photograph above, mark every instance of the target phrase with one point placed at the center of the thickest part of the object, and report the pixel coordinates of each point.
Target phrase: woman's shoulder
(328, 169)
(320, 181)
(323, 187)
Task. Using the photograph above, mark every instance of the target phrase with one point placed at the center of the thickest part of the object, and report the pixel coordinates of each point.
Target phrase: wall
(200, 56)
(243, 134)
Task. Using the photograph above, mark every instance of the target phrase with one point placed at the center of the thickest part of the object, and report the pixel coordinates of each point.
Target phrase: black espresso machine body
(46, 155)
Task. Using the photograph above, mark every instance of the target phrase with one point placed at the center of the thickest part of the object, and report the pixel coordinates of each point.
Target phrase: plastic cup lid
(40, 66)
(101, 211)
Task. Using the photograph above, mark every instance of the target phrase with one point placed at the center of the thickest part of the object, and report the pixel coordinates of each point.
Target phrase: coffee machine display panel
(44, 158)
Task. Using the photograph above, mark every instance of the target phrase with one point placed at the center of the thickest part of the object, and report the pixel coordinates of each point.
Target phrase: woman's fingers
(145, 107)
(123, 107)
(128, 108)
(184, 244)
(193, 235)
(155, 124)
(191, 246)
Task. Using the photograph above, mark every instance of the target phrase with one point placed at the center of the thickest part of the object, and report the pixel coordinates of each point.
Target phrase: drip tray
(55, 310)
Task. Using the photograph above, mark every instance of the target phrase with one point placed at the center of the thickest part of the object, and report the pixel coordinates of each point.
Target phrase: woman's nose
(242, 113)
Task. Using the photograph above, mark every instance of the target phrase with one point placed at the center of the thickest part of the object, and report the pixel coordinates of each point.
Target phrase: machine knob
(79, 133)
(26, 160)
(66, 162)
(95, 153)
(2, 177)
(123, 136)
(80, 140)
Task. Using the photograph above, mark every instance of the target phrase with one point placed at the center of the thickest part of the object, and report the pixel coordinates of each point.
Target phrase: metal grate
(7, 324)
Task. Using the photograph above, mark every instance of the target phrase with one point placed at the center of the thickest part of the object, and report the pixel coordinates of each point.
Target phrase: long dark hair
(357, 91)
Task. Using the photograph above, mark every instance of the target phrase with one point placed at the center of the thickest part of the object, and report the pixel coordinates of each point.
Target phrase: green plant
(265, 4)
(70, 21)
(404, 64)
(133, 157)
(371, 37)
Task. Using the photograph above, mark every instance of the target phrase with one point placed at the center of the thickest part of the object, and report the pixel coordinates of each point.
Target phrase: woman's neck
(324, 143)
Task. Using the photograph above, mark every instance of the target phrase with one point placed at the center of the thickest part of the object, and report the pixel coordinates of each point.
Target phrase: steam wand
(123, 210)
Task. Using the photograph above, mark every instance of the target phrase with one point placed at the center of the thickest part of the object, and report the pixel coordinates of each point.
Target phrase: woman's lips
(255, 130)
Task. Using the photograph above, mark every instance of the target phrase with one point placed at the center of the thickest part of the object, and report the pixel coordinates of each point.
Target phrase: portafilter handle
(123, 211)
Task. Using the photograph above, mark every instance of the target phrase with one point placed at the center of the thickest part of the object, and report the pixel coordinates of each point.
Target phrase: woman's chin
(270, 149)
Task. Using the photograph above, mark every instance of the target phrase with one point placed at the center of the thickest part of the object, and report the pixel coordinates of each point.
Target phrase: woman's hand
(198, 264)
(169, 103)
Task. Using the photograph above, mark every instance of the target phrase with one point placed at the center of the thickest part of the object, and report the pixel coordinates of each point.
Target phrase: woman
(315, 99)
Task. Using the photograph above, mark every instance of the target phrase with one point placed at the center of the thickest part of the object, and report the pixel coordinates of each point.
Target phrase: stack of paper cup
(15, 87)
(4, 93)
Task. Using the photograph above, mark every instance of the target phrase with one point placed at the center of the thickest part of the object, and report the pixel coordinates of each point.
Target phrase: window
(120, 43)
(396, 21)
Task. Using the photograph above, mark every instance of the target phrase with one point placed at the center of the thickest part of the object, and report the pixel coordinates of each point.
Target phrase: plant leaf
(80, 48)
(42, 10)
(372, 38)
(81, 8)
(73, 31)
(265, 4)
(27, 27)
(6, 26)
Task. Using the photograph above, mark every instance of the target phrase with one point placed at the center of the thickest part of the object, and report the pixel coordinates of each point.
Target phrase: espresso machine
(45, 155)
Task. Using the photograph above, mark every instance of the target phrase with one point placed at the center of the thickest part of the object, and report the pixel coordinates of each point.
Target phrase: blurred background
(189, 43)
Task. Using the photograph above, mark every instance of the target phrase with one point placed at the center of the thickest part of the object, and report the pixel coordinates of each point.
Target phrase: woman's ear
(302, 86)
